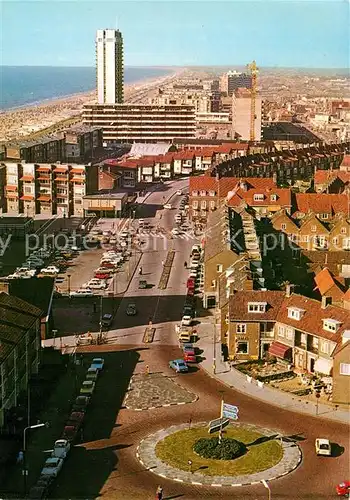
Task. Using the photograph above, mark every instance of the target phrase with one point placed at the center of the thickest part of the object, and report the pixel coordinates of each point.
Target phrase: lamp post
(24, 469)
(267, 486)
(68, 276)
(221, 414)
(54, 333)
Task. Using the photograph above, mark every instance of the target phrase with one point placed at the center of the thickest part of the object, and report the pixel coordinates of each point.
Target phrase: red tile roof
(238, 306)
(346, 161)
(324, 176)
(322, 203)
(312, 319)
(227, 184)
(284, 197)
(324, 281)
(184, 155)
(347, 295)
(203, 182)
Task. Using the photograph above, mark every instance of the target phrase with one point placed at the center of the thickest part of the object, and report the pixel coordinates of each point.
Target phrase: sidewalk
(238, 381)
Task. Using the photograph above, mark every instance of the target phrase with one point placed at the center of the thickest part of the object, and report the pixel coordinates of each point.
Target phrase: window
(295, 313)
(242, 347)
(194, 193)
(343, 230)
(203, 205)
(259, 197)
(219, 268)
(241, 328)
(273, 197)
(283, 227)
(213, 283)
(313, 229)
(324, 216)
(203, 193)
(281, 331)
(305, 238)
(78, 202)
(344, 369)
(325, 347)
(212, 205)
(331, 325)
(335, 241)
(211, 193)
(289, 333)
(256, 307)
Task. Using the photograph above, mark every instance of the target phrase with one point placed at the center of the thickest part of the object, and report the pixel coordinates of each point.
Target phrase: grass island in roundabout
(243, 450)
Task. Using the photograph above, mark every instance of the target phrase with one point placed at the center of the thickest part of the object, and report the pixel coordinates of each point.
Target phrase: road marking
(182, 403)
(167, 405)
(216, 485)
(237, 484)
(161, 475)
(199, 484)
(178, 480)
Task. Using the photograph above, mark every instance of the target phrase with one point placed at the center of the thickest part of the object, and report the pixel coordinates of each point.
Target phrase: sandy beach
(18, 123)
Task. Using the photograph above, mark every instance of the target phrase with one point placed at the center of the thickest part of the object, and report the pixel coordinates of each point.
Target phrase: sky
(276, 33)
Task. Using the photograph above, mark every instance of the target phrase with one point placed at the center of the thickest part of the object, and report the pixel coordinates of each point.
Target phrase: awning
(279, 350)
(44, 197)
(43, 169)
(323, 366)
(27, 197)
(10, 187)
(76, 179)
(78, 170)
(61, 179)
(61, 170)
(28, 178)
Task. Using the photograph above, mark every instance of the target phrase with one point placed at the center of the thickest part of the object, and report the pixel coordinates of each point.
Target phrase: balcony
(44, 198)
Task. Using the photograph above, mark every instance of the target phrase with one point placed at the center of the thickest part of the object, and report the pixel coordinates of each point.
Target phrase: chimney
(288, 290)
(243, 185)
(345, 336)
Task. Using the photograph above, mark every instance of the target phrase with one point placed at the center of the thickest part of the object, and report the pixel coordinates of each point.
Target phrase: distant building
(40, 150)
(233, 80)
(109, 59)
(241, 115)
(81, 140)
(36, 188)
(128, 123)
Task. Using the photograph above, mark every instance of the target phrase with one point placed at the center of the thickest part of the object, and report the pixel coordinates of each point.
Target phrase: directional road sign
(231, 416)
(230, 408)
(215, 425)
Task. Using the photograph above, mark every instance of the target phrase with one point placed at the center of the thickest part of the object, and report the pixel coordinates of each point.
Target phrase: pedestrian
(159, 493)
(185, 264)
(20, 457)
(162, 263)
(140, 270)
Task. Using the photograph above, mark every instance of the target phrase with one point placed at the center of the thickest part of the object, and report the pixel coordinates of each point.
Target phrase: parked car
(82, 292)
(178, 365)
(167, 206)
(185, 337)
(75, 418)
(87, 387)
(323, 447)
(69, 433)
(98, 363)
(52, 466)
(175, 231)
(37, 492)
(179, 192)
(143, 284)
(96, 284)
(188, 348)
(105, 270)
(190, 358)
(50, 270)
(81, 403)
(131, 310)
(186, 320)
(61, 448)
(343, 489)
(102, 276)
(92, 374)
(107, 319)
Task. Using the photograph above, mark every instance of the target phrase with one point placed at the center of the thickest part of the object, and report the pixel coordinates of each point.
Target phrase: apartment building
(40, 150)
(233, 80)
(241, 115)
(109, 66)
(19, 350)
(48, 189)
(341, 371)
(184, 162)
(81, 141)
(128, 123)
(331, 181)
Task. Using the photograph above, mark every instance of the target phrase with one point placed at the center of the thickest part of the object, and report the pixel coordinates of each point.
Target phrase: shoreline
(20, 123)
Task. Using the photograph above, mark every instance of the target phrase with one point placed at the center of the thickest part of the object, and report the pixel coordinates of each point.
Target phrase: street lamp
(24, 470)
(267, 486)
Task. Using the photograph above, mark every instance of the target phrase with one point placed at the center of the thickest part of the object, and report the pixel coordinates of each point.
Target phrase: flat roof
(114, 196)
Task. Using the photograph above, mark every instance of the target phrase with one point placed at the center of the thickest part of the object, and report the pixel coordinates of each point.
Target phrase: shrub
(228, 449)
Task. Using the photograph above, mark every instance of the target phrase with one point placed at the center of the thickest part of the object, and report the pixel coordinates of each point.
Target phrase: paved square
(155, 390)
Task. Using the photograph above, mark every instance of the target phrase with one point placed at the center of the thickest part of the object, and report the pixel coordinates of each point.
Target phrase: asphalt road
(117, 472)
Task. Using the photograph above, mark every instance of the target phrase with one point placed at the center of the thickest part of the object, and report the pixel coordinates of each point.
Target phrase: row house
(310, 233)
(263, 201)
(331, 181)
(325, 206)
(48, 189)
(292, 328)
(221, 252)
(163, 167)
(20, 344)
(237, 148)
(345, 164)
(184, 162)
(287, 166)
(330, 286)
(206, 193)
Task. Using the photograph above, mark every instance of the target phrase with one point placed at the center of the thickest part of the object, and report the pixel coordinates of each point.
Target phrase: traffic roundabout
(170, 454)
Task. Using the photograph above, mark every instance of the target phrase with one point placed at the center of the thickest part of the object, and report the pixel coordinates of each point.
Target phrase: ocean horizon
(30, 85)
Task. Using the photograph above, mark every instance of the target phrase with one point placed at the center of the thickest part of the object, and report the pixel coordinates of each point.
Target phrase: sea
(30, 85)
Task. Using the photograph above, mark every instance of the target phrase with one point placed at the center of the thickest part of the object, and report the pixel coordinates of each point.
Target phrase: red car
(108, 264)
(190, 283)
(102, 276)
(189, 358)
(69, 433)
(75, 419)
(343, 489)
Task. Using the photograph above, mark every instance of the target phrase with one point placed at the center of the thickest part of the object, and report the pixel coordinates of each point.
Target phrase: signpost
(229, 411)
(217, 424)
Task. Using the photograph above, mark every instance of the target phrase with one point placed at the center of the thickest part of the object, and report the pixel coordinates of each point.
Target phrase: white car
(52, 467)
(167, 206)
(83, 292)
(141, 222)
(61, 448)
(96, 284)
(186, 320)
(179, 192)
(175, 231)
(124, 235)
(50, 270)
(323, 447)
